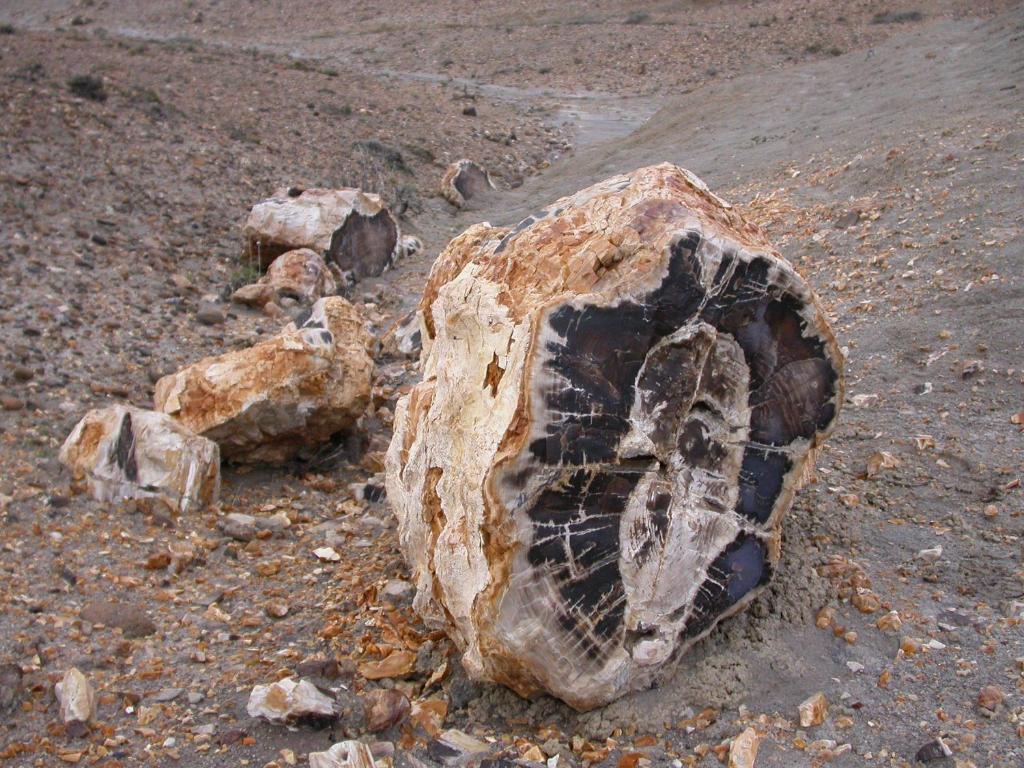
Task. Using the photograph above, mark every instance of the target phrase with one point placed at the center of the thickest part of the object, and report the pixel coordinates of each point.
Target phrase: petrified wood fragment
(301, 275)
(619, 399)
(349, 227)
(294, 391)
(130, 453)
(464, 180)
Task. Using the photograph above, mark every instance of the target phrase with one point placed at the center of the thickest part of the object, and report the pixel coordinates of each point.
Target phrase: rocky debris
(210, 313)
(410, 245)
(813, 710)
(239, 526)
(463, 180)
(454, 747)
(743, 749)
(272, 400)
(396, 664)
(124, 452)
(385, 709)
(933, 751)
(990, 699)
(347, 754)
(131, 619)
(403, 339)
(599, 478)
(289, 700)
(76, 697)
(348, 227)
(300, 275)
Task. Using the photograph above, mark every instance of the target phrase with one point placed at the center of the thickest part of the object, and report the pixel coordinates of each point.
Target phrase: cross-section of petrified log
(130, 453)
(349, 227)
(619, 398)
(463, 181)
(294, 391)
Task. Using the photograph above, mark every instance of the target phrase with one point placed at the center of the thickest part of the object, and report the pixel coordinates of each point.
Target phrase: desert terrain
(880, 146)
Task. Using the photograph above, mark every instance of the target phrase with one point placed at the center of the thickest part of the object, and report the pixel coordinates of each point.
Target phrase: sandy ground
(889, 173)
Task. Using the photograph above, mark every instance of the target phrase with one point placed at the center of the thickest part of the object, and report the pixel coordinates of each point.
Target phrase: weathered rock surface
(77, 698)
(348, 227)
(288, 700)
(464, 180)
(268, 402)
(346, 754)
(301, 275)
(619, 398)
(130, 453)
(404, 338)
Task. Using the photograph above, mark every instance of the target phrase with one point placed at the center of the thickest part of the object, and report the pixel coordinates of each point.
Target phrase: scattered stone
(990, 699)
(890, 622)
(301, 275)
(503, 435)
(210, 313)
(347, 754)
(847, 220)
(385, 709)
(131, 619)
(453, 747)
(932, 751)
(813, 710)
(288, 700)
(11, 403)
(404, 338)
(328, 554)
(351, 228)
(128, 453)
(77, 698)
(294, 391)
(395, 664)
(276, 609)
(464, 180)
(168, 694)
(743, 749)
(930, 555)
(238, 526)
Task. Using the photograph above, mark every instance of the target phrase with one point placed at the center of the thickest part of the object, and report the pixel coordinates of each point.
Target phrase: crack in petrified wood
(617, 489)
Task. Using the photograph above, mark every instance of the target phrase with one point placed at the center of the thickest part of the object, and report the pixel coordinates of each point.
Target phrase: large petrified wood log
(619, 398)
(294, 391)
(349, 227)
(130, 453)
(464, 180)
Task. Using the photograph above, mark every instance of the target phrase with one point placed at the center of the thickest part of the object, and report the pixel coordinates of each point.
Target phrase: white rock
(288, 699)
(328, 554)
(130, 453)
(346, 754)
(930, 555)
(77, 698)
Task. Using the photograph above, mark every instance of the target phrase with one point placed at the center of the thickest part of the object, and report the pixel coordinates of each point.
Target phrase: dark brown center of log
(364, 245)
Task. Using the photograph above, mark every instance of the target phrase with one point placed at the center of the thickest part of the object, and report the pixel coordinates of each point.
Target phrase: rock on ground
(77, 698)
(130, 453)
(349, 227)
(620, 396)
(464, 180)
(301, 275)
(294, 391)
(288, 700)
(346, 754)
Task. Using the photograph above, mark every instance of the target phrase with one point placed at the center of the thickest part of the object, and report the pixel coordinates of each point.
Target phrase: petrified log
(301, 275)
(619, 399)
(349, 227)
(130, 453)
(463, 181)
(294, 391)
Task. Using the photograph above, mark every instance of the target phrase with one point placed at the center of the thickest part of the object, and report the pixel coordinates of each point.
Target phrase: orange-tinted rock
(301, 275)
(464, 180)
(348, 227)
(130, 453)
(620, 396)
(294, 391)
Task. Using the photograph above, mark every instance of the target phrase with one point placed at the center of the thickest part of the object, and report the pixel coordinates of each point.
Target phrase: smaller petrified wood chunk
(463, 181)
(620, 398)
(130, 453)
(301, 275)
(349, 227)
(294, 391)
